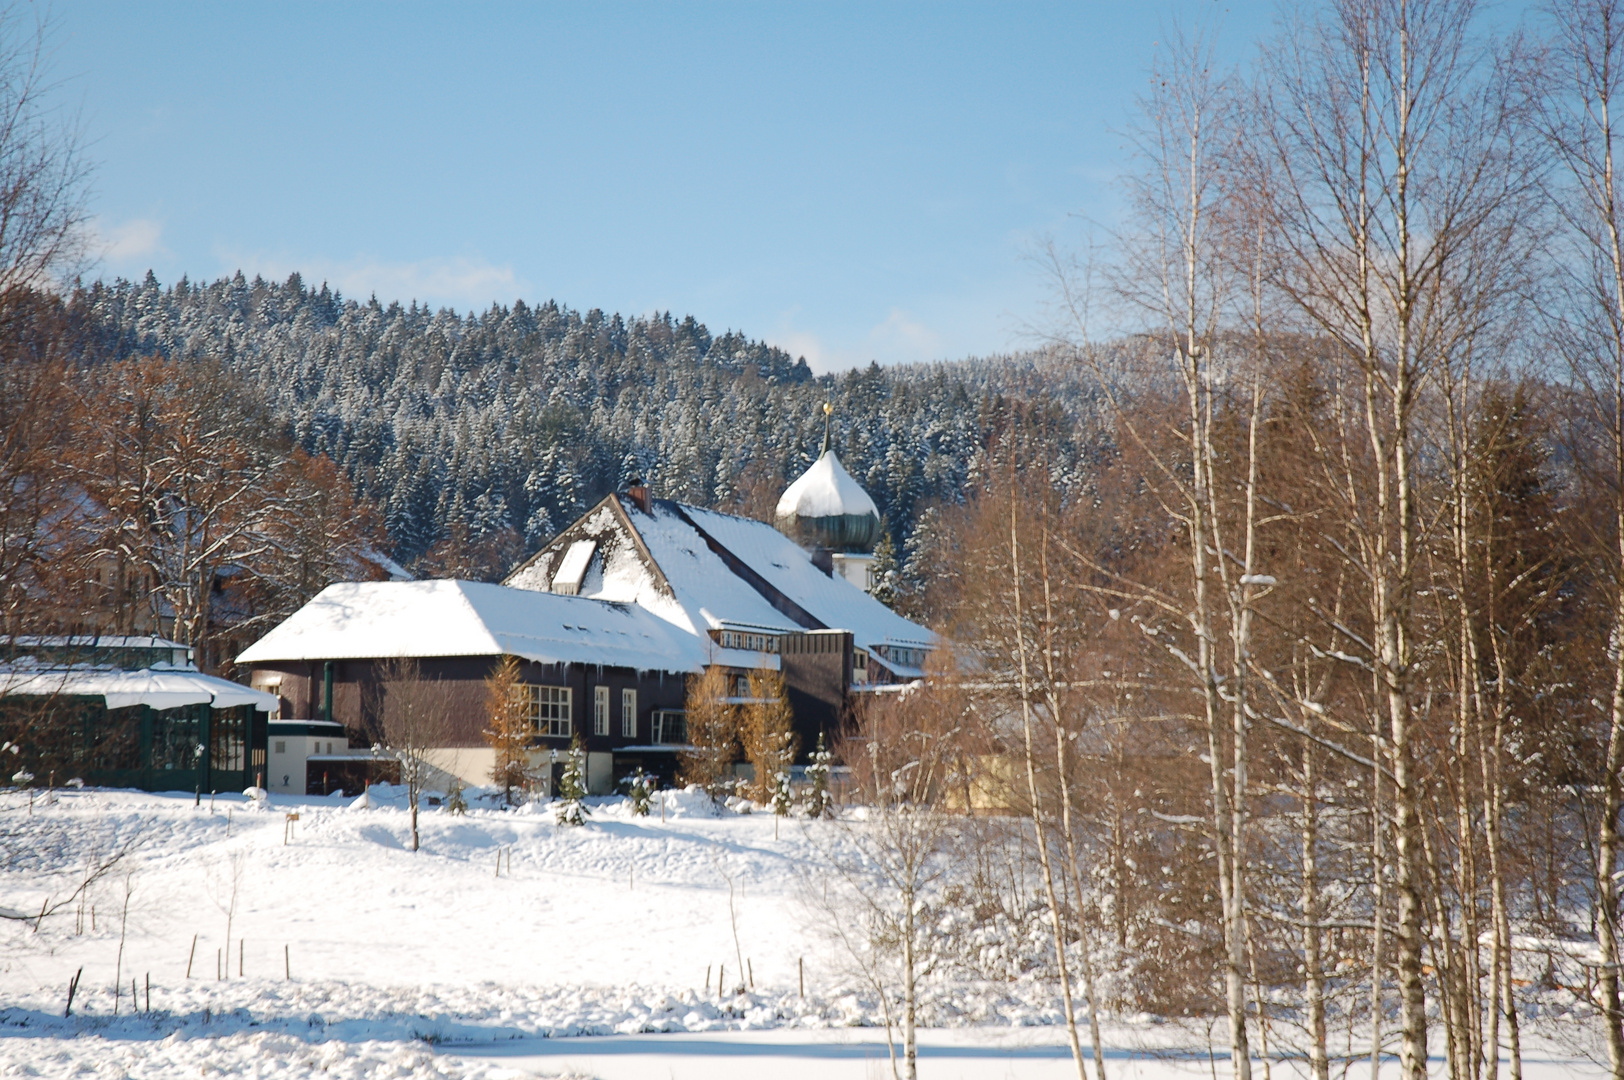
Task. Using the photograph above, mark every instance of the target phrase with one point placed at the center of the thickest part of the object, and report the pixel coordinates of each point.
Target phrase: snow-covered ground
(508, 946)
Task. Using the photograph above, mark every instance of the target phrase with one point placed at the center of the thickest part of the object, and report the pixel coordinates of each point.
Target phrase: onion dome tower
(828, 513)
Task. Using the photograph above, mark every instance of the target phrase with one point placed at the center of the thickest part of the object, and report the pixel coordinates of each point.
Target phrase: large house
(609, 620)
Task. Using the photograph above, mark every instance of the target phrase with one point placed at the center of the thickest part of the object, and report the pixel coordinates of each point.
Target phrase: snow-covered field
(508, 946)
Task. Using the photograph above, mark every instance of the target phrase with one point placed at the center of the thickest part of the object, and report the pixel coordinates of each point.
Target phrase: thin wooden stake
(707, 978)
(190, 955)
(721, 981)
(750, 967)
(217, 967)
(287, 963)
(800, 964)
(239, 957)
(149, 991)
(73, 986)
(135, 995)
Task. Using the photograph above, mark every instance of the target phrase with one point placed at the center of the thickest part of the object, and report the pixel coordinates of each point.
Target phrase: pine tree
(455, 803)
(571, 809)
(819, 803)
(508, 728)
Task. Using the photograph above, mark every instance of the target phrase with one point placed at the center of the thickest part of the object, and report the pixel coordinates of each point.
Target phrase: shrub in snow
(818, 801)
(571, 806)
(455, 802)
(783, 800)
(640, 790)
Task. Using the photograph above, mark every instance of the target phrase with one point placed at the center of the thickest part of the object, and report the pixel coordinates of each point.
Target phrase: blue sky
(852, 182)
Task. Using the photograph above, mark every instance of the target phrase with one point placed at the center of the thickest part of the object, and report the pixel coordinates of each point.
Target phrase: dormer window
(572, 567)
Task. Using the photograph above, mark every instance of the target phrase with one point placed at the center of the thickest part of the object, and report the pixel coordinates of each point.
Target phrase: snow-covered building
(130, 711)
(609, 619)
(614, 674)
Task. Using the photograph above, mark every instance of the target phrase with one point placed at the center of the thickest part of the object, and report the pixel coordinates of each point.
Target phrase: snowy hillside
(505, 927)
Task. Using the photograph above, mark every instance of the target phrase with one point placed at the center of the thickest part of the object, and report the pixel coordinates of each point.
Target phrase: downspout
(327, 691)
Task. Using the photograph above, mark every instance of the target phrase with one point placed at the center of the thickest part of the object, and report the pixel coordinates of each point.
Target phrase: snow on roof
(832, 600)
(825, 490)
(153, 687)
(103, 641)
(572, 568)
(707, 592)
(378, 619)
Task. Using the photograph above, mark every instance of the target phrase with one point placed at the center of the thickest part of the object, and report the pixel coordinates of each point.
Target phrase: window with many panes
(550, 710)
(628, 713)
(600, 710)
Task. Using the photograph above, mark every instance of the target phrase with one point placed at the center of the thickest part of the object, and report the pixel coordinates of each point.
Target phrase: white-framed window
(600, 710)
(628, 713)
(549, 709)
(668, 727)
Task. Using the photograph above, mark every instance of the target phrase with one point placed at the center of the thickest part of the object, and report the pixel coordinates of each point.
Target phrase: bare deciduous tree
(415, 714)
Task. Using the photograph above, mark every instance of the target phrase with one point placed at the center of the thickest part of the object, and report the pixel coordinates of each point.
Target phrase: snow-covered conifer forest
(495, 429)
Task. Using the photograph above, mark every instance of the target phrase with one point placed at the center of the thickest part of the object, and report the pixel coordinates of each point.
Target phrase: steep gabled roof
(787, 568)
(700, 569)
(383, 619)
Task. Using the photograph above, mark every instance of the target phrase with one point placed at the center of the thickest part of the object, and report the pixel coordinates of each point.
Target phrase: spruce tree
(819, 803)
(640, 790)
(570, 809)
(783, 799)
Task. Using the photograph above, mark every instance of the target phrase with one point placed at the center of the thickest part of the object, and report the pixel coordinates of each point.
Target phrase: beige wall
(470, 764)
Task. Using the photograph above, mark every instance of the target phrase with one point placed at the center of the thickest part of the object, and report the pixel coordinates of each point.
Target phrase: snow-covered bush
(783, 799)
(640, 790)
(571, 806)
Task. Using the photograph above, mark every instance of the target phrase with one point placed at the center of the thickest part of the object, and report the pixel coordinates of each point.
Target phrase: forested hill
(481, 435)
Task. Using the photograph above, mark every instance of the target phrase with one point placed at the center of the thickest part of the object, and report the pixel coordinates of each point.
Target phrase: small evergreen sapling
(640, 789)
(571, 807)
(783, 800)
(455, 802)
(818, 801)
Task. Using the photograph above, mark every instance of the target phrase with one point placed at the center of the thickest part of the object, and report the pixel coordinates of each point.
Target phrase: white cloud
(460, 281)
(802, 343)
(126, 241)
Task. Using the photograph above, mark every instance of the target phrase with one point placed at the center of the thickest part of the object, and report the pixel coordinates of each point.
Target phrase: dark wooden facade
(356, 681)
